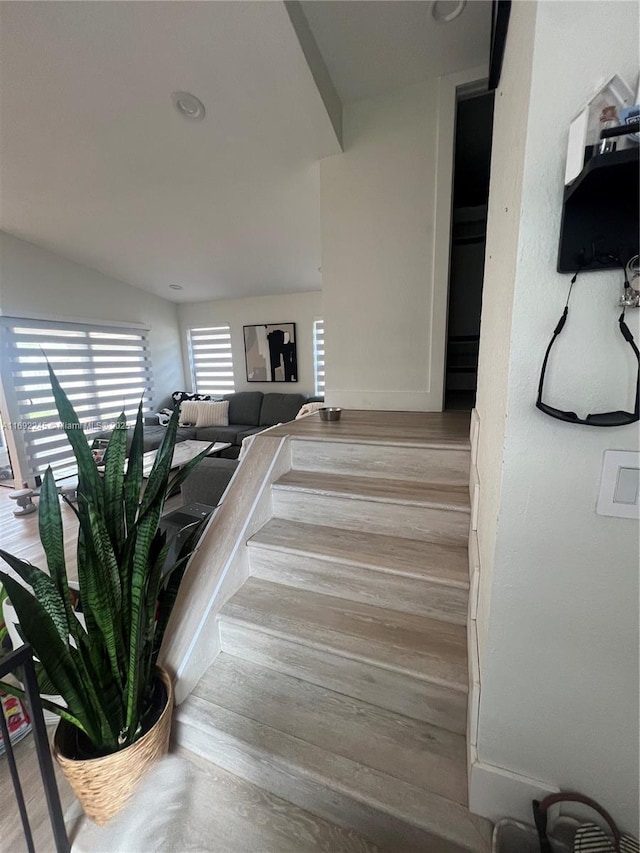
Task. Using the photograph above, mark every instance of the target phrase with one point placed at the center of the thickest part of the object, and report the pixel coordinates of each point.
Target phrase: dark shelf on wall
(600, 213)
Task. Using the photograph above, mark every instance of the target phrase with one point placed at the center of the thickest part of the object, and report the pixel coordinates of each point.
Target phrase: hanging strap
(602, 419)
(541, 809)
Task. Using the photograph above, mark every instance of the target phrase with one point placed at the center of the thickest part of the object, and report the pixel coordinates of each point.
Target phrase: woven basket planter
(103, 785)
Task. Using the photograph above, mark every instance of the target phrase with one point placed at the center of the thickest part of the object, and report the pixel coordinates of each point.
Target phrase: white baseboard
(495, 793)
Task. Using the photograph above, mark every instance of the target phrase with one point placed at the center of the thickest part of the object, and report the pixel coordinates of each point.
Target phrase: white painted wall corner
(494, 792)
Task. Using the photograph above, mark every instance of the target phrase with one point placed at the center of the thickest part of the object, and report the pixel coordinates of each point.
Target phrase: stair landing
(411, 429)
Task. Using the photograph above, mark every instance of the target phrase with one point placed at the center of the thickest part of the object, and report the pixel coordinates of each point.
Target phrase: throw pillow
(180, 396)
(188, 412)
(212, 414)
(164, 415)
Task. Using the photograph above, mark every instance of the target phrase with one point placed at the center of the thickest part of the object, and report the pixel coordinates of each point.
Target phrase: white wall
(377, 215)
(37, 283)
(501, 255)
(299, 308)
(558, 613)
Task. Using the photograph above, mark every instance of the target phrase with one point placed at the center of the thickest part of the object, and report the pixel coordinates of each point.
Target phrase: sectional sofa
(249, 412)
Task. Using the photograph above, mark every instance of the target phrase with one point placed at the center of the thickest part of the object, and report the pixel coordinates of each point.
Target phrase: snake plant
(104, 672)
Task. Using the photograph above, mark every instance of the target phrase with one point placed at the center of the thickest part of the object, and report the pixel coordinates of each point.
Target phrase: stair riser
(422, 756)
(414, 464)
(412, 522)
(396, 691)
(306, 790)
(381, 589)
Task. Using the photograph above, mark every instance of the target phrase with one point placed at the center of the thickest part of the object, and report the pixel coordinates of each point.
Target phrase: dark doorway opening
(472, 165)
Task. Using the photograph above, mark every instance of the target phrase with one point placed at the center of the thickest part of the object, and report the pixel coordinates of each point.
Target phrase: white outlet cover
(616, 497)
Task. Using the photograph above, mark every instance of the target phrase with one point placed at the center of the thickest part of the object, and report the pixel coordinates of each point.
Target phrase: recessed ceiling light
(188, 105)
(445, 11)
(176, 287)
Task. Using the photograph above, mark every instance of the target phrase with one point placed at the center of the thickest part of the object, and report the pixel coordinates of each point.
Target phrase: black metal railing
(20, 662)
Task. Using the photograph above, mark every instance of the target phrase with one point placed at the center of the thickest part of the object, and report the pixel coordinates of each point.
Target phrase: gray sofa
(207, 482)
(249, 412)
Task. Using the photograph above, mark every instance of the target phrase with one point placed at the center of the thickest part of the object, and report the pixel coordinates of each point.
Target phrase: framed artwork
(270, 352)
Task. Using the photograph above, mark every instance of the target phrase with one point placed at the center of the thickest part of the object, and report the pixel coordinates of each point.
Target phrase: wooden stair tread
(454, 498)
(419, 753)
(418, 646)
(441, 562)
(291, 767)
(241, 816)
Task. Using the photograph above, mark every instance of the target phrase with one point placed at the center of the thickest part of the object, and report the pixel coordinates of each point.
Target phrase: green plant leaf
(54, 654)
(132, 496)
(171, 581)
(44, 590)
(59, 609)
(147, 527)
(114, 483)
(157, 558)
(133, 476)
(89, 480)
(100, 589)
(12, 690)
(83, 566)
(50, 526)
(157, 481)
(52, 538)
(104, 672)
(45, 685)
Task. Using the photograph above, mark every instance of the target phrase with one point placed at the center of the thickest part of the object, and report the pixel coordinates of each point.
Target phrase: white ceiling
(96, 165)
(375, 46)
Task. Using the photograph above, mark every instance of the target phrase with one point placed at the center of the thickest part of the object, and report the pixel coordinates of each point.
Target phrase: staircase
(341, 687)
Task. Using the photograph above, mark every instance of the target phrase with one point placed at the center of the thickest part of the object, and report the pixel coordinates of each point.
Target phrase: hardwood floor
(20, 537)
(224, 813)
(11, 835)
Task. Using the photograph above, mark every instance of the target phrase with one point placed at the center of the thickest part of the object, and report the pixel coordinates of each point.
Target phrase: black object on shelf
(600, 213)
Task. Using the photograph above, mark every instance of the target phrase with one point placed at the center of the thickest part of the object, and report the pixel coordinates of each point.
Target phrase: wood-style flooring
(342, 681)
(413, 429)
(11, 834)
(20, 537)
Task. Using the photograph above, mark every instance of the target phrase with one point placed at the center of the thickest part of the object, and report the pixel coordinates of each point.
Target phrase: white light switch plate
(620, 485)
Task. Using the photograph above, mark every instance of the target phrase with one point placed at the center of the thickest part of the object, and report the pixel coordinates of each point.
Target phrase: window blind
(211, 360)
(318, 355)
(103, 371)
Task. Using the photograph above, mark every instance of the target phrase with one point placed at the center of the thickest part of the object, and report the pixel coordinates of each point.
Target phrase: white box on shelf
(576, 145)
